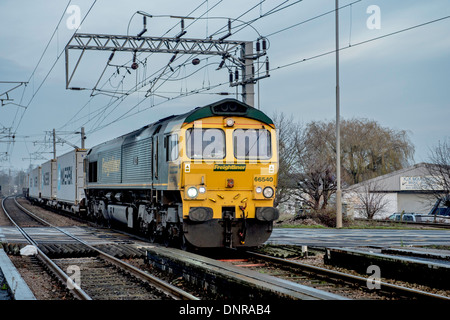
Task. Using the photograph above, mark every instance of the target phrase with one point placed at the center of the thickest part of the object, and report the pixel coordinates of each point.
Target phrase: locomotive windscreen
(205, 143)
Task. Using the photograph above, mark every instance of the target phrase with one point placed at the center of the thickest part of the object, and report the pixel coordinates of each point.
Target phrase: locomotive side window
(205, 143)
(93, 171)
(171, 147)
(252, 144)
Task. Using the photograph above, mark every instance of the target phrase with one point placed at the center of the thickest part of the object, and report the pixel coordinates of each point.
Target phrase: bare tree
(316, 181)
(439, 168)
(289, 148)
(371, 199)
(316, 185)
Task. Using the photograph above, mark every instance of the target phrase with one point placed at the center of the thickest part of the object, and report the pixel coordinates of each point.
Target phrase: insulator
(264, 44)
(221, 64)
(258, 46)
(231, 77)
(236, 75)
(267, 66)
(111, 56)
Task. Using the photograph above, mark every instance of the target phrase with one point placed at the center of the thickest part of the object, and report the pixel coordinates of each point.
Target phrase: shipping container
(35, 183)
(70, 181)
(49, 180)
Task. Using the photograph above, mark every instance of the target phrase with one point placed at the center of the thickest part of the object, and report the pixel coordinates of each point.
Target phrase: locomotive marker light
(229, 122)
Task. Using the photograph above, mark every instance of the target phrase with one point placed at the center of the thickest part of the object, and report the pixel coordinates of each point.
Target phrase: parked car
(407, 216)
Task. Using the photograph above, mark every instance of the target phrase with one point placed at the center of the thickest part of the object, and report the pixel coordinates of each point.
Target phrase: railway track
(349, 285)
(111, 284)
(97, 276)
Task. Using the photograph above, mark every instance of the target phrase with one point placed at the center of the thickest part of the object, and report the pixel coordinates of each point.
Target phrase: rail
(173, 291)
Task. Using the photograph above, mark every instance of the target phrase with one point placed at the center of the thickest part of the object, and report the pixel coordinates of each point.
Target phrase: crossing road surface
(358, 237)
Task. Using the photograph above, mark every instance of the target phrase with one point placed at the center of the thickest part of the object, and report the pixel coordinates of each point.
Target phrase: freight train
(206, 178)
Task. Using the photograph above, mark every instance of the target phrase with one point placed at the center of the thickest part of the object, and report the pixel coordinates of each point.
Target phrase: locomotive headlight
(192, 192)
(258, 190)
(268, 192)
(202, 189)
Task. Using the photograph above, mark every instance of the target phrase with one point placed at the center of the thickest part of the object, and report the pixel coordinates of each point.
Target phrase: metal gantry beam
(151, 44)
(174, 45)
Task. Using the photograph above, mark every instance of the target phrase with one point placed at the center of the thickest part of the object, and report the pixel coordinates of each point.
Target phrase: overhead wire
(361, 43)
(275, 9)
(10, 148)
(52, 67)
(136, 87)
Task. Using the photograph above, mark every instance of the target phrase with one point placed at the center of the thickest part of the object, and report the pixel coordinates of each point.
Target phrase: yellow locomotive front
(227, 176)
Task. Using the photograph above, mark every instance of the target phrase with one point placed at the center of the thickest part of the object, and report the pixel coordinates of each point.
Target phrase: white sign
(420, 183)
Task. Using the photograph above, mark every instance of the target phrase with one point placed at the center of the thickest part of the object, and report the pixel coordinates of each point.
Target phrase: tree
(289, 136)
(371, 200)
(307, 156)
(317, 182)
(371, 150)
(368, 150)
(439, 169)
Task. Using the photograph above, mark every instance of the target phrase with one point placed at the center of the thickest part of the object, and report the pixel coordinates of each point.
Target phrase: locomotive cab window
(205, 143)
(252, 144)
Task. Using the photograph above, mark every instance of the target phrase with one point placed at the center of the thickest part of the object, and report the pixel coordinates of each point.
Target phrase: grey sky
(401, 80)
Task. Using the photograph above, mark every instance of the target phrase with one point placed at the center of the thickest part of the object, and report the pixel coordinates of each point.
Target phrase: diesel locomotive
(205, 178)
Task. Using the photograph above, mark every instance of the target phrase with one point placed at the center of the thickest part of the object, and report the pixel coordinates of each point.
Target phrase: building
(410, 190)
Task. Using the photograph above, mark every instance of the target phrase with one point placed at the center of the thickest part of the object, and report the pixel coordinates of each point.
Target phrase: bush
(325, 217)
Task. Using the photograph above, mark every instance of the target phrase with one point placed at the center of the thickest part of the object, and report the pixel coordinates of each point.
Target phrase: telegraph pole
(248, 91)
(83, 137)
(54, 144)
(338, 129)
